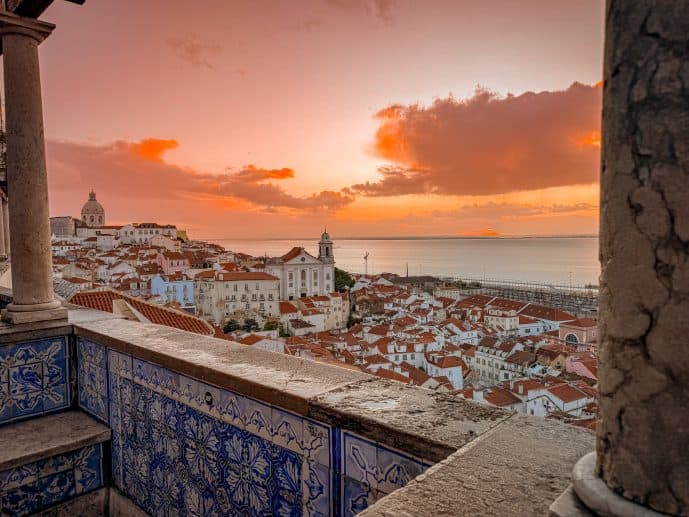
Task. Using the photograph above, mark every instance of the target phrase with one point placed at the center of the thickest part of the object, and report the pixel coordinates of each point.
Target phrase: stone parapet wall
(206, 424)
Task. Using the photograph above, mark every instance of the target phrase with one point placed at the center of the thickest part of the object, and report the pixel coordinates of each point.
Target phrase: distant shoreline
(405, 238)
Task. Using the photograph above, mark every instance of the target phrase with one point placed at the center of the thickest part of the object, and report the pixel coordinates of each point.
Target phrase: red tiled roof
(103, 301)
(546, 313)
(500, 397)
(582, 323)
(287, 308)
(251, 339)
(389, 374)
(566, 393)
(293, 253)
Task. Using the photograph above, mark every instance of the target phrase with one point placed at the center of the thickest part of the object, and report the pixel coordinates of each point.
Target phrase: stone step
(48, 460)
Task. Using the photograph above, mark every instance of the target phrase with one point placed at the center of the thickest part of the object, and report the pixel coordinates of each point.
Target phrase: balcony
(131, 417)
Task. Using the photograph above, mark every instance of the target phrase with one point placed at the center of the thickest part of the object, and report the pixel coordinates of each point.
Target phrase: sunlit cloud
(489, 144)
(138, 170)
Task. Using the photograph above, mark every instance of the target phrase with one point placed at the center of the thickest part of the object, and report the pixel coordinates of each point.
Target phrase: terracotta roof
(293, 253)
(251, 339)
(418, 376)
(582, 323)
(567, 393)
(287, 308)
(103, 301)
(546, 313)
(500, 397)
(389, 374)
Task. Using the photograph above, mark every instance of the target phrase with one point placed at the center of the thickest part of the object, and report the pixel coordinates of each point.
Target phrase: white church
(301, 274)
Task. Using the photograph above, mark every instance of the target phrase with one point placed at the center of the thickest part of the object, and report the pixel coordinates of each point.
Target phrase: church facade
(301, 274)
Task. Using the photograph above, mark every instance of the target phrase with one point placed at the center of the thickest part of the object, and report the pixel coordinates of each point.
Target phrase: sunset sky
(263, 118)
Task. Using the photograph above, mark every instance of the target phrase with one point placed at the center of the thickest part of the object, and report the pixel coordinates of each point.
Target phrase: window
(247, 306)
(257, 286)
(397, 358)
(235, 287)
(327, 276)
(404, 357)
(270, 297)
(253, 297)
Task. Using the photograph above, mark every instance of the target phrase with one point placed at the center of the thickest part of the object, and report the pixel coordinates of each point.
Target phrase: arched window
(327, 251)
(571, 338)
(91, 219)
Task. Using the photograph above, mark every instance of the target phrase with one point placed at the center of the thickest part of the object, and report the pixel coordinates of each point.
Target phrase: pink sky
(376, 117)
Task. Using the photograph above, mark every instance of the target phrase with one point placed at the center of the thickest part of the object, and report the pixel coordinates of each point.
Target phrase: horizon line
(409, 237)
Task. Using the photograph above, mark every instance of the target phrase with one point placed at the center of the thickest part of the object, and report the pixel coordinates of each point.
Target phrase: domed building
(93, 213)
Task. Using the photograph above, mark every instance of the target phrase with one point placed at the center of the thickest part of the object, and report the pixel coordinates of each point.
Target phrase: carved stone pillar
(642, 463)
(27, 180)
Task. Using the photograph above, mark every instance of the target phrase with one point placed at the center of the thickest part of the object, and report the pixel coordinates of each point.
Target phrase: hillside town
(517, 355)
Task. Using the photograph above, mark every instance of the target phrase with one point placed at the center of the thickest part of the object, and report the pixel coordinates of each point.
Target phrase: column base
(589, 495)
(40, 312)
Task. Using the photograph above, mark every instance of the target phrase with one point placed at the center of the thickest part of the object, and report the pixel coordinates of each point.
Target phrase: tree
(270, 325)
(343, 280)
(250, 325)
(230, 326)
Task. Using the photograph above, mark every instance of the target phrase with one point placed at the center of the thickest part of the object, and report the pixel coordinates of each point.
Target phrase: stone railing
(221, 428)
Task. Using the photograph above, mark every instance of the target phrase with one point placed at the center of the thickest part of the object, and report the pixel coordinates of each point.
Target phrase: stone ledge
(46, 436)
(281, 380)
(419, 421)
(517, 468)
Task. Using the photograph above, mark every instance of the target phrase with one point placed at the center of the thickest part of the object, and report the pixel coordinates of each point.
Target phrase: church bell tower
(325, 249)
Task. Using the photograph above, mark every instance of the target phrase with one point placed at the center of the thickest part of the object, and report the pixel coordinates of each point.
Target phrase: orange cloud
(153, 148)
(278, 174)
(136, 169)
(488, 144)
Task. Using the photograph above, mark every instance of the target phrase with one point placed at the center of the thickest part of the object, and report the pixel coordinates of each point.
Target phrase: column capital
(13, 24)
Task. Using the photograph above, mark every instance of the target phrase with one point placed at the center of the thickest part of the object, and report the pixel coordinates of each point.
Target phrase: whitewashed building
(301, 274)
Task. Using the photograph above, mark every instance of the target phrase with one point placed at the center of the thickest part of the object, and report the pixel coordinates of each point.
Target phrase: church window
(327, 251)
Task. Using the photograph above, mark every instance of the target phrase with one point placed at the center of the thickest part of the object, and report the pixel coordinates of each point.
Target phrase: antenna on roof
(366, 264)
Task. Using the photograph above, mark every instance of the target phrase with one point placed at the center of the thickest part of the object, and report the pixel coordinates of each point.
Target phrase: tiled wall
(34, 378)
(35, 486)
(180, 443)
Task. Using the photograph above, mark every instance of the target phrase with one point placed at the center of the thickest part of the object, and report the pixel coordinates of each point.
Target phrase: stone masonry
(644, 251)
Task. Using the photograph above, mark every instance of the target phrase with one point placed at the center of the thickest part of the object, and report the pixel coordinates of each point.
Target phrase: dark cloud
(489, 144)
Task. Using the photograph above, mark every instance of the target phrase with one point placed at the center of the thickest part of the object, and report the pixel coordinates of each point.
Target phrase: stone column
(6, 225)
(642, 463)
(27, 180)
(3, 250)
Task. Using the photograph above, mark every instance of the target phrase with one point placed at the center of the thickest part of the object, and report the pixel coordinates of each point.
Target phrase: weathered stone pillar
(643, 427)
(3, 251)
(27, 180)
(6, 224)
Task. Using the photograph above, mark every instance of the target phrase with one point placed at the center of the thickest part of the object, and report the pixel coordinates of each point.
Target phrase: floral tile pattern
(92, 378)
(38, 485)
(179, 443)
(34, 378)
